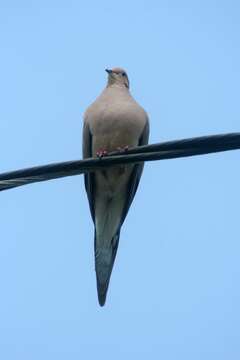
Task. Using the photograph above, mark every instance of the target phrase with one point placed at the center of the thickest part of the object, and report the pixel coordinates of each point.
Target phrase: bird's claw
(123, 148)
(101, 153)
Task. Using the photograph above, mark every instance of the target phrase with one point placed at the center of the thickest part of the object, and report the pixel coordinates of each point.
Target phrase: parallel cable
(160, 151)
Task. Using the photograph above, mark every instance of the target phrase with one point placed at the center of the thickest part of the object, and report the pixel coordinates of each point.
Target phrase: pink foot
(123, 148)
(101, 153)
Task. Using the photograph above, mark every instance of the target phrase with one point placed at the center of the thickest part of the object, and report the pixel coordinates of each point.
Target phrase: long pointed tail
(104, 261)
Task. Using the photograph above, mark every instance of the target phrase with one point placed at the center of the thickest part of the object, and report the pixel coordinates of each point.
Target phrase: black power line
(160, 151)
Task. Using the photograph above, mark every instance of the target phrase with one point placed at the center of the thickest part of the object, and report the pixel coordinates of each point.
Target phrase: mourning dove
(114, 120)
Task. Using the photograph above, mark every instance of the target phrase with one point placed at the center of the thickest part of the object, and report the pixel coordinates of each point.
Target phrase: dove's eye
(123, 74)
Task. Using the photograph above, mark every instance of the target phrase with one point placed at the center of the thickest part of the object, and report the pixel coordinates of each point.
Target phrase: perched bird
(113, 121)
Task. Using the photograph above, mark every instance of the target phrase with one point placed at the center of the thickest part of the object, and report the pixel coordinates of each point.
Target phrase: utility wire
(160, 151)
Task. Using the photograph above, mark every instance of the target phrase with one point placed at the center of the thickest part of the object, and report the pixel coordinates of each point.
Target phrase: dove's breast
(116, 126)
(113, 125)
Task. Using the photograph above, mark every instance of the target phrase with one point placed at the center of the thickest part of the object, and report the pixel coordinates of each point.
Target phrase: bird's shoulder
(113, 103)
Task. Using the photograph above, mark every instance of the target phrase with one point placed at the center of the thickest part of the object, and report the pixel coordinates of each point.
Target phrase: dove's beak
(109, 71)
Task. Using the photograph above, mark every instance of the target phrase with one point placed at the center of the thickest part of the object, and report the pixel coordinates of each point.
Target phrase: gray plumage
(115, 120)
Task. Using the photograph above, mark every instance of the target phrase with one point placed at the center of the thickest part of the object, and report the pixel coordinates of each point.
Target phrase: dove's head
(117, 76)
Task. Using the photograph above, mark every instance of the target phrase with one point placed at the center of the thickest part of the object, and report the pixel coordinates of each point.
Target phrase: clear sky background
(174, 291)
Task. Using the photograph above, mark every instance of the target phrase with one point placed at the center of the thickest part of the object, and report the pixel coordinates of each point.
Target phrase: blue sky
(174, 292)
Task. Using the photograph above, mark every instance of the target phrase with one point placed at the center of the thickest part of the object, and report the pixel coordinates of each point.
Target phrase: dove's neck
(118, 90)
(117, 85)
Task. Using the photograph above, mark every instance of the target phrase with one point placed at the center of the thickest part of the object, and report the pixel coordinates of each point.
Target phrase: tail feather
(104, 261)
